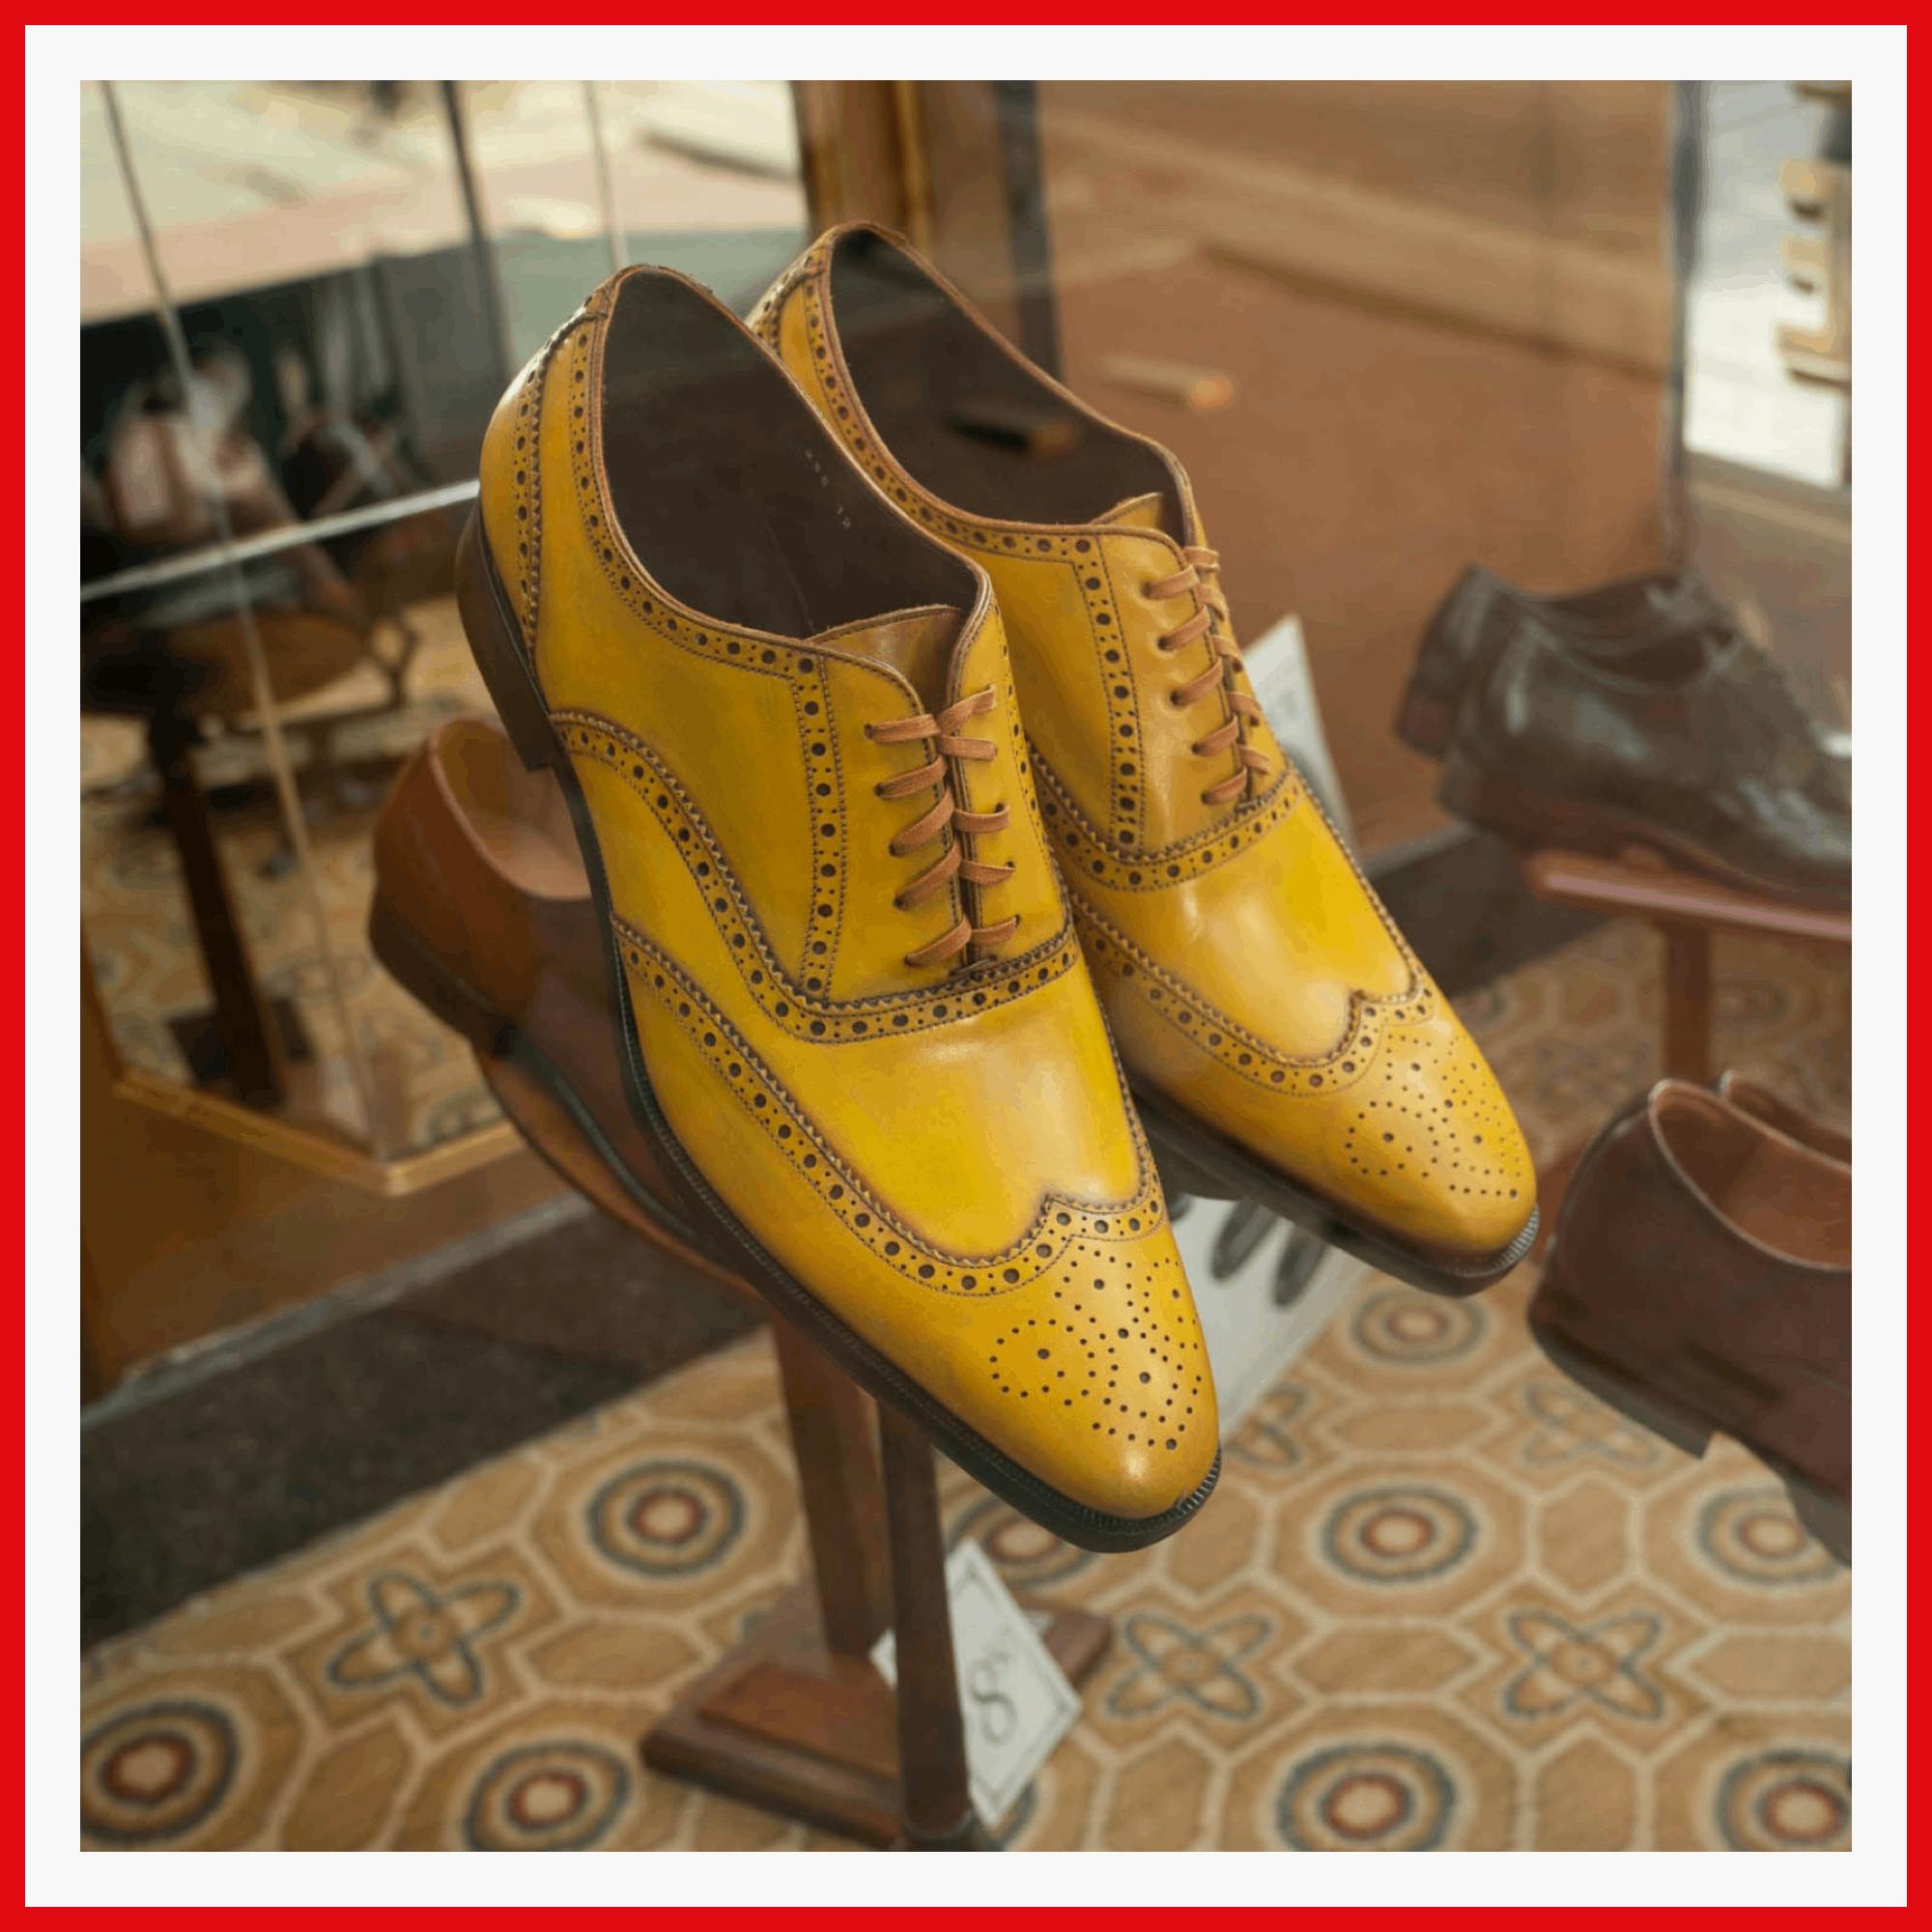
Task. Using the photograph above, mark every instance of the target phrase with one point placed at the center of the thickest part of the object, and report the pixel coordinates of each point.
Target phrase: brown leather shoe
(1700, 1281)
(483, 912)
(1754, 1097)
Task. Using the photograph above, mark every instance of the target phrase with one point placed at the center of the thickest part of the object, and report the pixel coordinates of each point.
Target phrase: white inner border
(59, 58)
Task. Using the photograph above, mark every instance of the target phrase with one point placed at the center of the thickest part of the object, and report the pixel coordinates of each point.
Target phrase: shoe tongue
(1137, 513)
(916, 644)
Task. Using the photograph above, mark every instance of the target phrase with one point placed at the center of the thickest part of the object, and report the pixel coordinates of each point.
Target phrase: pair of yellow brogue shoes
(898, 754)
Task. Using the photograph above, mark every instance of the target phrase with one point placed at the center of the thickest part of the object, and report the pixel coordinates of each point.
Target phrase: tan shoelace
(1211, 620)
(945, 820)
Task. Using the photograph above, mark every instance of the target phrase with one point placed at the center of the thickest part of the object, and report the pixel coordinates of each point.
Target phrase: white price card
(1016, 1698)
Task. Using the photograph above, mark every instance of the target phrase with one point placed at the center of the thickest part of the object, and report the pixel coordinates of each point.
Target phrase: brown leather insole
(926, 373)
(518, 816)
(730, 491)
(1784, 1196)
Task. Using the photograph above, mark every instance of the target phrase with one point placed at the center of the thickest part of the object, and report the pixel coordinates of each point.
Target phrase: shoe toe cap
(1095, 1378)
(1426, 1144)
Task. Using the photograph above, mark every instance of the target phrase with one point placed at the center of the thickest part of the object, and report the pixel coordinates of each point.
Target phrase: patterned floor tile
(1441, 1598)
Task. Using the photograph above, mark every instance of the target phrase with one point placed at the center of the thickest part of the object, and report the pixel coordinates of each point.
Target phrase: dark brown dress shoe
(483, 912)
(1700, 1281)
(1634, 714)
(1483, 610)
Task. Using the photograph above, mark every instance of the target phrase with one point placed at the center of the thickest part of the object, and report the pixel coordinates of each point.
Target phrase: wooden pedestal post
(1689, 912)
(797, 1718)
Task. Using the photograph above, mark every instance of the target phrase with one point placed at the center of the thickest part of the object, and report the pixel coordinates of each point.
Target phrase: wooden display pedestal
(796, 1719)
(1689, 912)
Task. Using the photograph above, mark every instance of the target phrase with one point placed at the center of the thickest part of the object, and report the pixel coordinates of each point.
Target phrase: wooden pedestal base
(787, 1725)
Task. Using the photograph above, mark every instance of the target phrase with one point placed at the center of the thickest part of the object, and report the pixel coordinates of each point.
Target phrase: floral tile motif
(1569, 1428)
(1267, 1436)
(1171, 1663)
(419, 1632)
(1568, 1666)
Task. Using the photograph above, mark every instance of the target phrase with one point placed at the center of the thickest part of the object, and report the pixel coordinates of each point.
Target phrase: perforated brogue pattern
(527, 450)
(766, 320)
(525, 423)
(1064, 1236)
(1023, 759)
(1119, 1345)
(824, 786)
(799, 1008)
(1085, 853)
(1424, 1112)
(1429, 1118)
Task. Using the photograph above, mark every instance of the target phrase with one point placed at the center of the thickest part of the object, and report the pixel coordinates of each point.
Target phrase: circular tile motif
(1745, 1004)
(1366, 1798)
(1786, 1801)
(1753, 1537)
(547, 1798)
(1400, 1534)
(666, 1517)
(1027, 1556)
(1399, 1326)
(150, 1776)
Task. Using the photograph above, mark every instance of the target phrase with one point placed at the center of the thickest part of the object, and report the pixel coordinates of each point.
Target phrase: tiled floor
(1441, 1600)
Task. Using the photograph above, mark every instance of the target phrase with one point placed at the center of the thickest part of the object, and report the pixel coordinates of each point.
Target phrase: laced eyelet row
(946, 819)
(1209, 620)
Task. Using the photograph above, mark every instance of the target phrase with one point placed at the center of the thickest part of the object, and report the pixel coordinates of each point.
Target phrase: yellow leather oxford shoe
(1281, 1035)
(844, 985)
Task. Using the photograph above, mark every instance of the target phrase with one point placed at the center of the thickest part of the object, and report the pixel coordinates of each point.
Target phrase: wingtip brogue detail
(1059, 1226)
(1272, 1017)
(843, 978)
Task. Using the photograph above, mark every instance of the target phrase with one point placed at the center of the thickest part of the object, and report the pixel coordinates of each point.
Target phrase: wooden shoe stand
(1689, 912)
(796, 1719)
